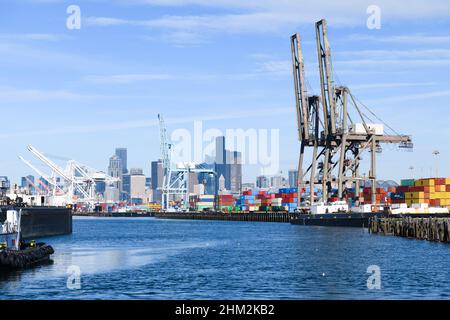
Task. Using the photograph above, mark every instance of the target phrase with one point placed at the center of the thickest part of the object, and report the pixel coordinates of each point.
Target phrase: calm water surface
(171, 259)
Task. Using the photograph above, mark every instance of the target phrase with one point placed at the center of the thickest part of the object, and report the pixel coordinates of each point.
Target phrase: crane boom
(58, 170)
(300, 88)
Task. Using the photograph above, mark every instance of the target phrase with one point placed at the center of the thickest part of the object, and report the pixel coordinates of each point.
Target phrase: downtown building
(293, 178)
(157, 180)
(228, 168)
(115, 170)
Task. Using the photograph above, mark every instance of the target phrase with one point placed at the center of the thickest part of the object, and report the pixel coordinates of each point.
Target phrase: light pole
(436, 153)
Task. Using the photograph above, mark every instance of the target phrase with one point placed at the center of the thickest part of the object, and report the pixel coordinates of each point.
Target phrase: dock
(436, 228)
(280, 217)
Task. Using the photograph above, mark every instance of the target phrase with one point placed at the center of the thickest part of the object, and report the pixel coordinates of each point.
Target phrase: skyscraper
(115, 170)
(157, 180)
(221, 153)
(229, 165)
(126, 187)
(122, 153)
(293, 177)
(236, 173)
(276, 182)
(137, 186)
(27, 183)
(262, 182)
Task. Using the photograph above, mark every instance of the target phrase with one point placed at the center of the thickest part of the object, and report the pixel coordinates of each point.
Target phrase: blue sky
(81, 93)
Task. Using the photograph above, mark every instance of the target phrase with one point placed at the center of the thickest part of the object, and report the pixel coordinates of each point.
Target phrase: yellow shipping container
(440, 188)
(418, 200)
(432, 195)
(418, 195)
(442, 195)
(424, 183)
(408, 202)
(447, 181)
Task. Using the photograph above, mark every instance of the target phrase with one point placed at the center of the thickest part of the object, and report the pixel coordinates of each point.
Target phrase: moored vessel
(14, 252)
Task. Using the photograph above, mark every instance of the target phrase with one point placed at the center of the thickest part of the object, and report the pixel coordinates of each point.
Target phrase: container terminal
(334, 126)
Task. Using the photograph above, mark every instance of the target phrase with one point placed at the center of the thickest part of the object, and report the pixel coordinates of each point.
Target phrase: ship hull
(356, 220)
(38, 222)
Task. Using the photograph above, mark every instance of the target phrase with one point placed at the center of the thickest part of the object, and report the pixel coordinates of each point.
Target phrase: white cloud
(393, 63)
(386, 85)
(273, 16)
(10, 94)
(138, 124)
(427, 54)
(31, 36)
(126, 78)
(415, 39)
(412, 97)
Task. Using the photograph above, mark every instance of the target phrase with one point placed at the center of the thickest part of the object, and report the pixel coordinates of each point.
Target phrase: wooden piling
(430, 229)
(280, 217)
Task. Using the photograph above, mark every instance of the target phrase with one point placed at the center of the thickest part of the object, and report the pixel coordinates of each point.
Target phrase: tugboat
(15, 253)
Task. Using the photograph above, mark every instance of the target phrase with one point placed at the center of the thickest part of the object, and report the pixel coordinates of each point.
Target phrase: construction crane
(176, 181)
(331, 132)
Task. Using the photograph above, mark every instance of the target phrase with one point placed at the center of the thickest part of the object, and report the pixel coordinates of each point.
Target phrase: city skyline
(82, 100)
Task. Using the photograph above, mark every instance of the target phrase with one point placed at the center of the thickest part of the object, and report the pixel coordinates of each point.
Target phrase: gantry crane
(77, 178)
(331, 132)
(175, 180)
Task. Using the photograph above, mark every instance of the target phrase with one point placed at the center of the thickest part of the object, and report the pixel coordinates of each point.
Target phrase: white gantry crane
(77, 179)
(175, 180)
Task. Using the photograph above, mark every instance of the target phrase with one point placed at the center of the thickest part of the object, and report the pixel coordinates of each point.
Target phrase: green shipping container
(226, 208)
(407, 183)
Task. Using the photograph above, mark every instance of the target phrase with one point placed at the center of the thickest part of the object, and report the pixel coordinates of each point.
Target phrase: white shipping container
(376, 128)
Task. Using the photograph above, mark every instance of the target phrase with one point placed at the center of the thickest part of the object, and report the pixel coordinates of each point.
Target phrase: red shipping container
(403, 189)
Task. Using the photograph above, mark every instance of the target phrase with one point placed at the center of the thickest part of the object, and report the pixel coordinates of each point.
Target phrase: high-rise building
(27, 183)
(4, 184)
(236, 173)
(100, 187)
(262, 182)
(115, 170)
(157, 180)
(148, 182)
(293, 177)
(137, 186)
(221, 184)
(276, 182)
(229, 165)
(122, 153)
(221, 153)
(126, 187)
(208, 179)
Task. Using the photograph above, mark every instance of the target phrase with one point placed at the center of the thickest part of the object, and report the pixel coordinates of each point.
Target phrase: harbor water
(147, 258)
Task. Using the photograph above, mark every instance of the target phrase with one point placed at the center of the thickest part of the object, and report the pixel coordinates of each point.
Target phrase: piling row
(253, 217)
(431, 229)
